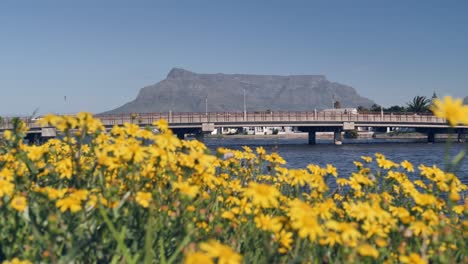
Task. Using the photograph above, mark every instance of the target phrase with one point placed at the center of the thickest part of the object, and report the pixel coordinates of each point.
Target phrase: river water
(298, 154)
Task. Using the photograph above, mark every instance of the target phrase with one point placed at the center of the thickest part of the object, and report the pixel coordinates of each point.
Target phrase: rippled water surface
(298, 153)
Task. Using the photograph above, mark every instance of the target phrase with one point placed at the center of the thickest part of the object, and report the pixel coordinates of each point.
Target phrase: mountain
(186, 91)
(465, 101)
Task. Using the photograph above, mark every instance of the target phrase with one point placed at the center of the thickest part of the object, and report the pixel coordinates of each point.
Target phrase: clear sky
(99, 53)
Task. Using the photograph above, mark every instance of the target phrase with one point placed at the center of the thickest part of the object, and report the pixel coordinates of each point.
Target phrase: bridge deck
(265, 119)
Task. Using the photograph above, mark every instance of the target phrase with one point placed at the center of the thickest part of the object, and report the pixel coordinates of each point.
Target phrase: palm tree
(420, 104)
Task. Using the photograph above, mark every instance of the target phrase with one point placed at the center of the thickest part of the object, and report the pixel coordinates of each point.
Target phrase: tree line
(419, 104)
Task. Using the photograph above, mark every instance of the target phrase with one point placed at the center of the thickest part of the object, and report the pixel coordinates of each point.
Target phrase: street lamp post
(245, 107)
(206, 106)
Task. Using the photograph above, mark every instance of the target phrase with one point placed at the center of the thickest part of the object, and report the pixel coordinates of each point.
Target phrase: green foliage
(395, 109)
(115, 199)
(375, 108)
(419, 104)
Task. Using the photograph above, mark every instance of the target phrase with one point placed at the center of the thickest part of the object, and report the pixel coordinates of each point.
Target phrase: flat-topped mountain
(185, 91)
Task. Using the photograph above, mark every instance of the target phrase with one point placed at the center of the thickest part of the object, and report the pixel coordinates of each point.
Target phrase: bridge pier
(461, 136)
(36, 138)
(337, 137)
(431, 136)
(311, 139)
(33, 138)
(180, 134)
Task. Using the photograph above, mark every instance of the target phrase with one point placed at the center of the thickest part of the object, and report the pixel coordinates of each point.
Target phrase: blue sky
(100, 53)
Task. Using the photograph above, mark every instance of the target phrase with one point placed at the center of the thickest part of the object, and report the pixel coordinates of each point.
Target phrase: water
(298, 154)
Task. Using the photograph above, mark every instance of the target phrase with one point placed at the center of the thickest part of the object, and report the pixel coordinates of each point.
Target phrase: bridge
(305, 121)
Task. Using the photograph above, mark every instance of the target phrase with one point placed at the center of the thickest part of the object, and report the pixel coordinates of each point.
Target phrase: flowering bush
(133, 196)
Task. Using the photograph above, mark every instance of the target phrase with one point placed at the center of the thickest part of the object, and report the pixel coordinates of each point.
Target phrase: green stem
(117, 236)
(184, 242)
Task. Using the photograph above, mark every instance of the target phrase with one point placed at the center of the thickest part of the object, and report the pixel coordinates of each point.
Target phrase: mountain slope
(185, 91)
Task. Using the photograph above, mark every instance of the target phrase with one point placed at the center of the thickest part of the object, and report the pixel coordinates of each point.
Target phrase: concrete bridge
(311, 122)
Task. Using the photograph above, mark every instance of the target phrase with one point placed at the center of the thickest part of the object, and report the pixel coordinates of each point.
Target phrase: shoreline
(407, 137)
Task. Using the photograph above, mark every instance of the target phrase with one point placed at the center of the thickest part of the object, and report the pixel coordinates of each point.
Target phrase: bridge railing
(251, 117)
(270, 116)
(7, 122)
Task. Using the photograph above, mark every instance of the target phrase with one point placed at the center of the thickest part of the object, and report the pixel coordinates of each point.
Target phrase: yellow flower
(261, 151)
(162, 124)
(304, 219)
(16, 261)
(419, 228)
(64, 167)
(186, 189)
(69, 203)
(143, 198)
(342, 182)
(401, 213)
(454, 196)
(358, 164)
(275, 158)
(381, 242)
(79, 195)
(420, 184)
(6, 188)
(7, 134)
(263, 195)
(367, 250)
(407, 166)
(385, 163)
(452, 110)
(197, 258)
(298, 177)
(412, 258)
(228, 215)
(268, 223)
(55, 193)
(332, 170)
(458, 209)
(367, 159)
(285, 239)
(331, 239)
(225, 254)
(35, 152)
(247, 149)
(19, 203)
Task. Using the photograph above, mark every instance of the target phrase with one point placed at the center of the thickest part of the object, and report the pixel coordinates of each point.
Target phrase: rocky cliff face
(185, 91)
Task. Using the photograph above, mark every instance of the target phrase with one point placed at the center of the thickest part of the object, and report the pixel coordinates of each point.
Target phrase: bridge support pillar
(33, 138)
(180, 134)
(337, 137)
(36, 138)
(312, 137)
(461, 136)
(431, 137)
